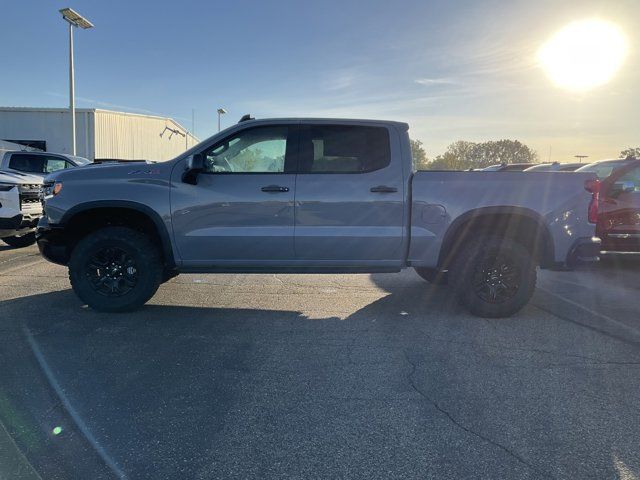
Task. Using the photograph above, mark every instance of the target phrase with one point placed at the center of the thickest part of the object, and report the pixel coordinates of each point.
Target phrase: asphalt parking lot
(320, 376)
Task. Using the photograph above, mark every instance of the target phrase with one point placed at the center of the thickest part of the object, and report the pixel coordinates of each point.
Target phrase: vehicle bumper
(52, 242)
(12, 223)
(621, 242)
(584, 250)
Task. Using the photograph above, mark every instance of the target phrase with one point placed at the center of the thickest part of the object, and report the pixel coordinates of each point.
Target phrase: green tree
(462, 155)
(503, 151)
(419, 155)
(457, 157)
(630, 152)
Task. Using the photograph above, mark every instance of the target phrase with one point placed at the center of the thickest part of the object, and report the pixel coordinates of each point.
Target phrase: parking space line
(18, 258)
(46, 370)
(23, 265)
(613, 321)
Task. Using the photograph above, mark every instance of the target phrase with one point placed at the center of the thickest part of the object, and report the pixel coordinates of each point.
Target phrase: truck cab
(323, 194)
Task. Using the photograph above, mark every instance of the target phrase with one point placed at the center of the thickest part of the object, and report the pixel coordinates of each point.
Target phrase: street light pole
(74, 19)
(221, 111)
(72, 93)
(581, 157)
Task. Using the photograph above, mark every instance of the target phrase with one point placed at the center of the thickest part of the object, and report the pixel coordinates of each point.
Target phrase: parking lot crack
(463, 427)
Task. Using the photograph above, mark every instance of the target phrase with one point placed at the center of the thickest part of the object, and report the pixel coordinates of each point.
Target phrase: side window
(257, 150)
(25, 162)
(54, 164)
(604, 171)
(632, 177)
(343, 149)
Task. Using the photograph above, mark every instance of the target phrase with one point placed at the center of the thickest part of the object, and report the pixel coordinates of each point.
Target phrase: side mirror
(622, 187)
(194, 166)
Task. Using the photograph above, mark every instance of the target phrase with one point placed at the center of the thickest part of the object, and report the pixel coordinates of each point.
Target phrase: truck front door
(349, 196)
(241, 210)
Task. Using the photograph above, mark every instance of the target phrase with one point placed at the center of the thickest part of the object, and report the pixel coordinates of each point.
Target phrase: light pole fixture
(581, 157)
(74, 19)
(221, 111)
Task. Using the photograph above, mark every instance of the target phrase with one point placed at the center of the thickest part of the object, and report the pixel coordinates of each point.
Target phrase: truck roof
(325, 119)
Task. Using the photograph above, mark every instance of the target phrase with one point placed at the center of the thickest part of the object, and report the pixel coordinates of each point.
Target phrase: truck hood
(20, 178)
(110, 171)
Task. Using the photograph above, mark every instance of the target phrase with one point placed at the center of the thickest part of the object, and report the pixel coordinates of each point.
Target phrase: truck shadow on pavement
(410, 383)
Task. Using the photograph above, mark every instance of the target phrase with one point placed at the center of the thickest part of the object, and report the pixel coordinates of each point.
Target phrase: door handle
(383, 189)
(274, 188)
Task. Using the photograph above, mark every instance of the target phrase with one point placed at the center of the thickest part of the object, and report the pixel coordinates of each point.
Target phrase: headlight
(5, 187)
(51, 189)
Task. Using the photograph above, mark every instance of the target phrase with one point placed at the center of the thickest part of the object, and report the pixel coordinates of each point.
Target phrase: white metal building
(99, 133)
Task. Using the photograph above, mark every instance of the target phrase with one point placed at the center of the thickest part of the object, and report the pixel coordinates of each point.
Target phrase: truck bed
(442, 199)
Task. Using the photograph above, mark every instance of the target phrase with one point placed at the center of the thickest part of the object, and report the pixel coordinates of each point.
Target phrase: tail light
(593, 186)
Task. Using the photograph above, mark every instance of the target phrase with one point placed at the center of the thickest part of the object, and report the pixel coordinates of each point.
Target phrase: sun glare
(584, 54)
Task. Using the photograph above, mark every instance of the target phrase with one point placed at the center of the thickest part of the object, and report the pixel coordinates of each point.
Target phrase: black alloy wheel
(496, 278)
(112, 272)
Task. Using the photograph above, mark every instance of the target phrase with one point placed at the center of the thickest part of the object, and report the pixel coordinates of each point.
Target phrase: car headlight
(51, 189)
(5, 187)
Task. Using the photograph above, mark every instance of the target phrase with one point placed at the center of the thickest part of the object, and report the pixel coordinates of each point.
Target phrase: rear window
(343, 149)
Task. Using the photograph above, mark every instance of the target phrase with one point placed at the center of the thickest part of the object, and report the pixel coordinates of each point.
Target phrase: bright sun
(584, 54)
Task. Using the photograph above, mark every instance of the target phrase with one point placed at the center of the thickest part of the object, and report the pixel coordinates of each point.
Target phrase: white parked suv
(20, 208)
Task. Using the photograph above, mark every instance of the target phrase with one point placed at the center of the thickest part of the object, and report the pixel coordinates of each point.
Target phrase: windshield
(80, 160)
(540, 168)
(602, 169)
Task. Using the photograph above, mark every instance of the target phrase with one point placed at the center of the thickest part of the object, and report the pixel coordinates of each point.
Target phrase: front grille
(30, 196)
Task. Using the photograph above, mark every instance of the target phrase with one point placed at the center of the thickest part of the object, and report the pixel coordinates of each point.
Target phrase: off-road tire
(20, 241)
(139, 248)
(488, 253)
(432, 275)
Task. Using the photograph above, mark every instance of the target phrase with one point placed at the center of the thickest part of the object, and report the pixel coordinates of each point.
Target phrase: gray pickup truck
(314, 196)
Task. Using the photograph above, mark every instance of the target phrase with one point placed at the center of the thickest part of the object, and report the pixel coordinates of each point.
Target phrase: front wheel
(20, 241)
(115, 269)
(493, 276)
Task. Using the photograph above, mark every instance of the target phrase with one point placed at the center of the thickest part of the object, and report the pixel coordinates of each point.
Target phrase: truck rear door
(349, 196)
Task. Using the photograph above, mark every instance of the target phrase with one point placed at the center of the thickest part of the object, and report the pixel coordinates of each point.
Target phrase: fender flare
(163, 233)
(478, 213)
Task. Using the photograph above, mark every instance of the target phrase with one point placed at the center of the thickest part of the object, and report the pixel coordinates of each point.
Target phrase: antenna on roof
(246, 117)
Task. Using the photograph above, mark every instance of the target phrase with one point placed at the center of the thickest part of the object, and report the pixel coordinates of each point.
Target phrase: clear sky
(454, 70)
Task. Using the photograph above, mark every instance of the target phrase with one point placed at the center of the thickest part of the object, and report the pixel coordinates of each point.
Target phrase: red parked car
(619, 204)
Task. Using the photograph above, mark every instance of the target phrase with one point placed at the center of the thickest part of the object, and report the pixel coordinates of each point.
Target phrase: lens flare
(584, 54)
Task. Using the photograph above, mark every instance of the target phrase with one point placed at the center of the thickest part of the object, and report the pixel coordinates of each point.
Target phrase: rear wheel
(115, 269)
(20, 241)
(432, 275)
(493, 276)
